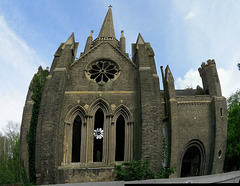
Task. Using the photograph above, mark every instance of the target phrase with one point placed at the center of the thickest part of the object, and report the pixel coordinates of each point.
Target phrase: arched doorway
(98, 136)
(76, 139)
(192, 161)
(120, 139)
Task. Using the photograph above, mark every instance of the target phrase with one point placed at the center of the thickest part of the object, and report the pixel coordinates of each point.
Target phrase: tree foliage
(11, 166)
(37, 85)
(232, 158)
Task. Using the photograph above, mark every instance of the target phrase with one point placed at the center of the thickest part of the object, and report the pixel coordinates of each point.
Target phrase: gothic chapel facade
(105, 108)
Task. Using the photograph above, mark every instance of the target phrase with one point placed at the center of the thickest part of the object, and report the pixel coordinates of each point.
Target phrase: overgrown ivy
(140, 170)
(37, 85)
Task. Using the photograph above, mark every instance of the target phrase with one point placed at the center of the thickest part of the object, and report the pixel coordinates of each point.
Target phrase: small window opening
(221, 111)
(220, 153)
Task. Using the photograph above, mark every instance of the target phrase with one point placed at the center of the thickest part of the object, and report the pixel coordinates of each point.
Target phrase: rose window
(102, 71)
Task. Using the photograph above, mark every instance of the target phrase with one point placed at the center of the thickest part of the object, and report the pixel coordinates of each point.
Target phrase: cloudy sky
(182, 33)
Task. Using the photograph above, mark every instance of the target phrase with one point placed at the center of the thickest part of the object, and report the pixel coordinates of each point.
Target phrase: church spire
(107, 30)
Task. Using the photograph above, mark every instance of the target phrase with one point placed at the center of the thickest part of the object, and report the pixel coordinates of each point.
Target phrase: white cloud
(18, 64)
(15, 53)
(229, 80)
(191, 79)
(190, 15)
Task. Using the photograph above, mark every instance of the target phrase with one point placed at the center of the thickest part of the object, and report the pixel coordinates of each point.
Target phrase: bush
(138, 170)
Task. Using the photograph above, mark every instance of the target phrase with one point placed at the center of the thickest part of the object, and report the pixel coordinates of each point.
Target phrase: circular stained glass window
(102, 71)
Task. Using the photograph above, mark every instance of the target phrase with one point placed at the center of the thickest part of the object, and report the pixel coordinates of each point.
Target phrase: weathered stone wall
(194, 122)
(86, 175)
(149, 105)
(25, 126)
(49, 116)
(219, 112)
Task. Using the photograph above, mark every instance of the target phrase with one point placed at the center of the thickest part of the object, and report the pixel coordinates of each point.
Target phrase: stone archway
(193, 160)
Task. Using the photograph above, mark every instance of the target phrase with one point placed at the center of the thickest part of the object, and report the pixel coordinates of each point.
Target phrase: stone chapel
(105, 108)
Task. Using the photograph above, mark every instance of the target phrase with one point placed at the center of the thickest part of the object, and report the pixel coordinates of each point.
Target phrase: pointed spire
(169, 86)
(122, 43)
(107, 29)
(89, 42)
(70, 41)
(140, 40)
(168, 74)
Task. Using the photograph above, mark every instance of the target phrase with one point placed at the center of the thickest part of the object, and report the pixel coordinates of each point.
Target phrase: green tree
(11, 168)
(232, 158)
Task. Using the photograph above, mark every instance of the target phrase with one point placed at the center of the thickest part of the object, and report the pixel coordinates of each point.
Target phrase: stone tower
(105, 108)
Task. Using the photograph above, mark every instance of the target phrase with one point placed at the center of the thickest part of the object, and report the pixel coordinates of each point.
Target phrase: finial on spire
(122, 35)
(91, 33)
(110, 6)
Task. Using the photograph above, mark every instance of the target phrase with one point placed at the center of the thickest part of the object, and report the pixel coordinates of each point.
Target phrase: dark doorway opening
(76, 139)
(98, 142)
(120, 138)
(191, 163)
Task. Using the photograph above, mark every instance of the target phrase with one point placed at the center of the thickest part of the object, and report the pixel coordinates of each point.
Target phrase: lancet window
(98, 136)
(76, 139)
(120, 139)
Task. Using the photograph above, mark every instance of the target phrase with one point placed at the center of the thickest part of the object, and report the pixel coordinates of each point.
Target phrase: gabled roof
(95, 47)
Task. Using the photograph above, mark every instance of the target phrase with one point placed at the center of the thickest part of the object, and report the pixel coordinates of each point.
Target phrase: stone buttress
(50, 112)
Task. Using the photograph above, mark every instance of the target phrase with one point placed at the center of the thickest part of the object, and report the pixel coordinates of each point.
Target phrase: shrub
(138, 170)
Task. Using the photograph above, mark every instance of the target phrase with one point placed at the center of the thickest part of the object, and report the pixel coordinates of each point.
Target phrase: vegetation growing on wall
(37, 85)
(138, 170)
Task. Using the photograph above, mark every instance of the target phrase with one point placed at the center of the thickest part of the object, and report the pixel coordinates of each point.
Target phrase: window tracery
(102, 71)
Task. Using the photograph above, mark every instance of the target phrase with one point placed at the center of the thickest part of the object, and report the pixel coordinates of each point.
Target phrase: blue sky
(182, 33)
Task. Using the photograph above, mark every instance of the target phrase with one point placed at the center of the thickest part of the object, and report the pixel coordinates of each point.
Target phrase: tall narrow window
(98, 136)
(120, 139)
(76, 139)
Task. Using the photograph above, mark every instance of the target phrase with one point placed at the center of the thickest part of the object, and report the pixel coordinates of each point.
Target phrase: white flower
(98, 133)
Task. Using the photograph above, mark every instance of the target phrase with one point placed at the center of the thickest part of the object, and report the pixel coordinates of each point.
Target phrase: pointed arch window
(122, 135)
(76, 139)
(75, 136)
(120, 138)
(98, 139)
